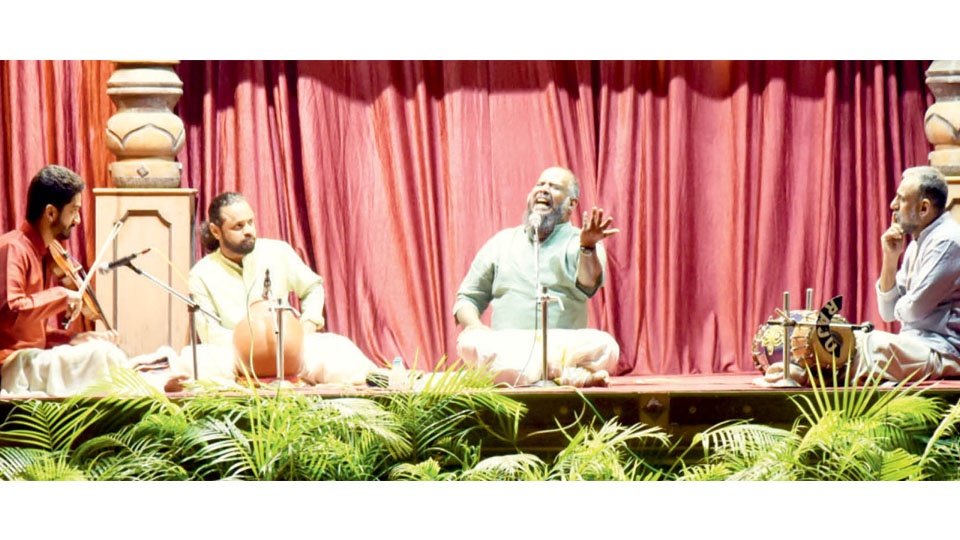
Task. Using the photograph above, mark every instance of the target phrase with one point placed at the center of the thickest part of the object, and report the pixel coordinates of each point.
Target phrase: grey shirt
(503, 275)
(926, 298)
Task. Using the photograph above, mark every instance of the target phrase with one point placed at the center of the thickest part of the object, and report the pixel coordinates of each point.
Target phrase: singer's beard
(549, 221)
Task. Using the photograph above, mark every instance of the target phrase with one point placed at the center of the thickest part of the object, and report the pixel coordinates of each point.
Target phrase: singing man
(503, 275)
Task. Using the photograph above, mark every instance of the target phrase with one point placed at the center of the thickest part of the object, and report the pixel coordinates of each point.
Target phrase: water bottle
(398, 375)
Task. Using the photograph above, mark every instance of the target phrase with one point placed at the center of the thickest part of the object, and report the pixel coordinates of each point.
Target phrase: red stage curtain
(53, 113)
(730, 181)
(735, 181)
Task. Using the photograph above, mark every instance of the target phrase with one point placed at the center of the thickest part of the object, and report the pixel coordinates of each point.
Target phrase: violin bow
(96, 262)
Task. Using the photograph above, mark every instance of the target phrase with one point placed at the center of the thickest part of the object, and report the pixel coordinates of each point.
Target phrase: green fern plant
(844, 433)
(604, 453)
(449, 405)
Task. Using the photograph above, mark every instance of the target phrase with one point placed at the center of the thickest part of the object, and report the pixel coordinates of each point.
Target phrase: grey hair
(574, 191)
(931, 185)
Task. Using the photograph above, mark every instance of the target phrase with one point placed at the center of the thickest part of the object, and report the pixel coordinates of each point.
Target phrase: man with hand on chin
(922, 293)
(503, 275)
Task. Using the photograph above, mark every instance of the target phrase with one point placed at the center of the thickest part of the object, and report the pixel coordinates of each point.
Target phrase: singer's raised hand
(595, 228)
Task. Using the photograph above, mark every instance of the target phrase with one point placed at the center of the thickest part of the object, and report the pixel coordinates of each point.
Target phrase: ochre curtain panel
(730, 181)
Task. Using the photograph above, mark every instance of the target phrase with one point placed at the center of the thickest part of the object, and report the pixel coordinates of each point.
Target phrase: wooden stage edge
(681, 405)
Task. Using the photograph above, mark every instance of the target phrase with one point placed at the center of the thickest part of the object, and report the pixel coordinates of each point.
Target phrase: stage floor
(682, 405)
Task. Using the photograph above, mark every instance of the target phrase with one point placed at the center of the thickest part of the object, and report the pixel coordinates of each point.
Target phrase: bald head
(564, 175)
(552, 198)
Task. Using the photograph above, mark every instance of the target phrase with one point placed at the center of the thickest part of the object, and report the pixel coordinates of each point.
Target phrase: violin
(70, 273)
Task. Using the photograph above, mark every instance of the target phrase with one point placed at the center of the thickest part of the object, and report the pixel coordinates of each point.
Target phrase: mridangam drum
(810, 345)
(828, 347)
(256, 343)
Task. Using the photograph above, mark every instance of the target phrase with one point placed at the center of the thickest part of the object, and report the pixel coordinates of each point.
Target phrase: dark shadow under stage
(681, 405)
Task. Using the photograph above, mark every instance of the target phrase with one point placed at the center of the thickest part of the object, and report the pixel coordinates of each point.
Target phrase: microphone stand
(543, 299)
(192, 307)
(279, 308)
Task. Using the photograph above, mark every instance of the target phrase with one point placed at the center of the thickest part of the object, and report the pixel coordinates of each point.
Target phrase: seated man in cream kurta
(503, 276)
(227, 280)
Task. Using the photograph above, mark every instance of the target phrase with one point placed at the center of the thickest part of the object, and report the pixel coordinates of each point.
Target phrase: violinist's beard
(64, 232)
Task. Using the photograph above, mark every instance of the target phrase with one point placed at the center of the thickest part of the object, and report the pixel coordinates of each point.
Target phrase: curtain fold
(53, 112)
(730, 181)
(415, 165)
(746, 179)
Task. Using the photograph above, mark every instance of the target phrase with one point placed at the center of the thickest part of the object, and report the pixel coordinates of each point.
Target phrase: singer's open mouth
(543, 200)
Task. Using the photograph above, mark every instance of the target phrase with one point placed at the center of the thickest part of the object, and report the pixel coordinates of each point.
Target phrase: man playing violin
(28, 295)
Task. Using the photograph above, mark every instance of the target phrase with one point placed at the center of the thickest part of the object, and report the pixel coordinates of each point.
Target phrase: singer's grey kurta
(503, 275)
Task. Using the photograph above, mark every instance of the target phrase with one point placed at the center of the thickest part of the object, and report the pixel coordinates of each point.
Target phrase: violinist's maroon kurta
(25, 302)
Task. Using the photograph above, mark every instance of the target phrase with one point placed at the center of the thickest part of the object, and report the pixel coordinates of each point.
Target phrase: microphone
(106, 267)
(535, 220)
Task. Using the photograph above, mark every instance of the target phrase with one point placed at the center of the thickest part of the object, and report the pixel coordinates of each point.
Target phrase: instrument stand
(788, 324)
(543, 299)
(192, 307)
(279, 308)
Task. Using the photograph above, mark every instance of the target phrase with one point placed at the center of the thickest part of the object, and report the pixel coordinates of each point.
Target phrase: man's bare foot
(175, 383)
(583, 378)
(775, 373)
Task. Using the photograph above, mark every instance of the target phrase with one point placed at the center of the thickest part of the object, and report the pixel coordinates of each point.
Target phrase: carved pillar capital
(942, 121)
(145, 134)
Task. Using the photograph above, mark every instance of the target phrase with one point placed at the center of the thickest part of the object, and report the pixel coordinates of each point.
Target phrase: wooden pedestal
(953, 196)
(146, 315)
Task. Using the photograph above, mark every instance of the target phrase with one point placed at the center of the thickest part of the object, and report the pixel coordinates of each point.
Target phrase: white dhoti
(891, 357)
(896, 357)
(62, 371)
(326, 359)
(333, 359)
(578, 357)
